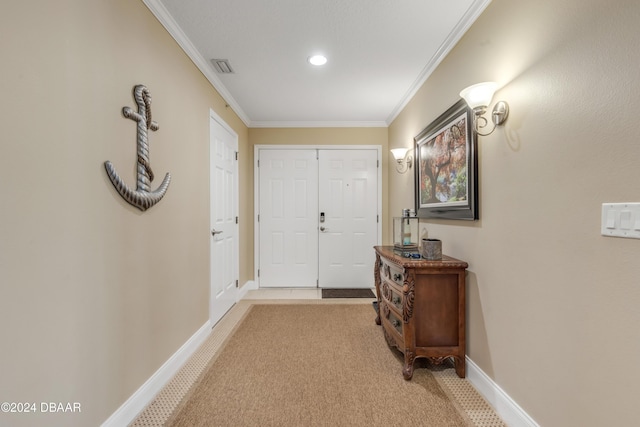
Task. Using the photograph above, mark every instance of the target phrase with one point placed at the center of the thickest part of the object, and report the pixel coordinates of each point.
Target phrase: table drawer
(392, 296)
(391, 319)
(392, 273)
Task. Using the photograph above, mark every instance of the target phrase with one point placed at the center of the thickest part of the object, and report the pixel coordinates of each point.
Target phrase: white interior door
(348, 187)
(288, 218)
(223, 186)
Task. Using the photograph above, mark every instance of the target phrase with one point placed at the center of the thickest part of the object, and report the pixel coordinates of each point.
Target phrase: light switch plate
(621, 220)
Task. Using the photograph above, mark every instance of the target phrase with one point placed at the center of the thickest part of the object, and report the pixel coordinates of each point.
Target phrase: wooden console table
(421, 306)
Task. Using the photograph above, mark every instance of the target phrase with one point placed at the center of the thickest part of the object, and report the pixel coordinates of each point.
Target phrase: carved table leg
(460, 366)
(407, 371)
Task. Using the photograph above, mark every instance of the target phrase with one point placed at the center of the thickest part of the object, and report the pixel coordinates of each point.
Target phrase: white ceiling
(379, 53)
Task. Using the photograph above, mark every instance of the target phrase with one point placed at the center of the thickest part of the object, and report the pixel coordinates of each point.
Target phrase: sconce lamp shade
(403, 162)
(399, 153)
(479, 95)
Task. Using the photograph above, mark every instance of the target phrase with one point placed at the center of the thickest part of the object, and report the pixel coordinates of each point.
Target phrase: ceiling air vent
(222, 66)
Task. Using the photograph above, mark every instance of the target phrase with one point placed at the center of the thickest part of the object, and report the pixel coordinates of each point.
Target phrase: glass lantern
(405, 235)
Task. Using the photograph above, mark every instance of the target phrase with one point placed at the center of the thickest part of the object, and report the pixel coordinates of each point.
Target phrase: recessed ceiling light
(317, 60)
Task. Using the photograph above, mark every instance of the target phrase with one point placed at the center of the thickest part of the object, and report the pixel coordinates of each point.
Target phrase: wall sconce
(403, 162)
(478, 98)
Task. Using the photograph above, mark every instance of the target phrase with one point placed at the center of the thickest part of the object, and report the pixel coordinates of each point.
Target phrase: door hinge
(258, 217)
(258, 162)
(317, 282)
(377, 163)
(258, 272)
(237, 283)
(236, 220)
(236, 155)
(377, 218)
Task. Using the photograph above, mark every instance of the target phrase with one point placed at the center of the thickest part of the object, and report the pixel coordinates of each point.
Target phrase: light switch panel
(621, 220)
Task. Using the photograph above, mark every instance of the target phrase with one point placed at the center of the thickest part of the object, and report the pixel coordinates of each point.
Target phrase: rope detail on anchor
(142, 197)
(145, 164)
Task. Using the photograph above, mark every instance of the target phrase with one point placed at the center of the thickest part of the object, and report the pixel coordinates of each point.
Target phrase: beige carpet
(306, 365)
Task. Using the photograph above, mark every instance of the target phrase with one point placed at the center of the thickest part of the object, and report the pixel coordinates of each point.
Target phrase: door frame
(213, 116)
(256, 188)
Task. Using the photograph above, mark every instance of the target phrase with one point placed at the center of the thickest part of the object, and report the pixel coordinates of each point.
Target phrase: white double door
(317, 217)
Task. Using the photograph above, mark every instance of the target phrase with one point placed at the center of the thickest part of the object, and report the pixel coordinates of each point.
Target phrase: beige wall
(96, 295)
(552, 305)
(331, 136)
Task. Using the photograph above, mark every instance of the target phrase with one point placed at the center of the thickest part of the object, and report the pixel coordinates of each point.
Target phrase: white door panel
(288, 206)
(348, 198)
(223, 211)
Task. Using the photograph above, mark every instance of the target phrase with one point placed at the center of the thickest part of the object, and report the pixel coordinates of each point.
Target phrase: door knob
(214, 231)
(322, 229)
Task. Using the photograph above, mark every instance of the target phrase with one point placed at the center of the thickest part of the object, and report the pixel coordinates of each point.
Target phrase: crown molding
(317, 124)
(474, 11)
(167, 21)
(162, 14)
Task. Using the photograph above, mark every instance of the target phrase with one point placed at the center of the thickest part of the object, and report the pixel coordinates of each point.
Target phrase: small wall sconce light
(403, 162)
(478, 98)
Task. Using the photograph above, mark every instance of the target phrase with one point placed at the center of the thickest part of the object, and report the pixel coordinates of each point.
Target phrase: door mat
(347, 293)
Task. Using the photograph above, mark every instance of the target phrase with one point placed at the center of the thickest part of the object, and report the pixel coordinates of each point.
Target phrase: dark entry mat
(347, 293)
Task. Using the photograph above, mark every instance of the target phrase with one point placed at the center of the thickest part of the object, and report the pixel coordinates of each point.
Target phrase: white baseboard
(512, 414)
(127, 413)
(249, 286)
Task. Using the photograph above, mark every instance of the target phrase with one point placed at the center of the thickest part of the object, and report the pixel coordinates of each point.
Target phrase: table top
(445, 262)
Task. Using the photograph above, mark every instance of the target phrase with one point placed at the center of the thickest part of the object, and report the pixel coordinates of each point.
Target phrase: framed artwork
(447, 166)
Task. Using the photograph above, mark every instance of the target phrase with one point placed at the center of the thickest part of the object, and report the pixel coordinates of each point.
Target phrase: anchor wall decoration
(142, 197)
